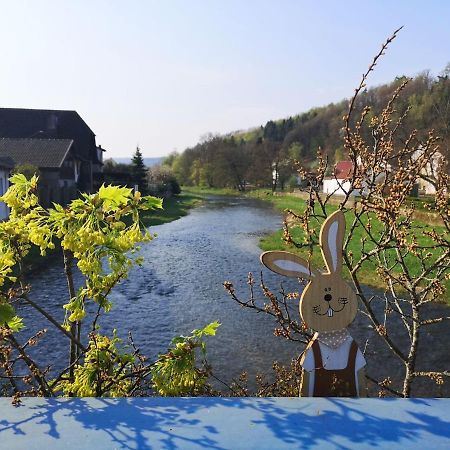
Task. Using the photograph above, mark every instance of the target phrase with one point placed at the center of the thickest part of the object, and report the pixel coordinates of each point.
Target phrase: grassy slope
(202, 191)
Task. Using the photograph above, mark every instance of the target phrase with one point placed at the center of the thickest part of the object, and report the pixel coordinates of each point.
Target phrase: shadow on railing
(224, 423)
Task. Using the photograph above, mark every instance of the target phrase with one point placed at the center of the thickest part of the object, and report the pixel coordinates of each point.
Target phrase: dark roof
(43, 153)
(35, 119)
(49, 123)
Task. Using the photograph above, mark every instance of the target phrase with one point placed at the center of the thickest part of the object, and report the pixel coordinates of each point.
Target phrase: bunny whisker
(316, 309)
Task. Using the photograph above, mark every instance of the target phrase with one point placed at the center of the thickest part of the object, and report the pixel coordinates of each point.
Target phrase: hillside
(249, 157)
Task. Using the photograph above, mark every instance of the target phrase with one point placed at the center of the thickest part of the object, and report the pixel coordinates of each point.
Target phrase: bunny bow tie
(332, 339)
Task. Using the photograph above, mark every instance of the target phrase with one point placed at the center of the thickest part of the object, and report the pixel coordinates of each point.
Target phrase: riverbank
(173, 208)
(296, 203)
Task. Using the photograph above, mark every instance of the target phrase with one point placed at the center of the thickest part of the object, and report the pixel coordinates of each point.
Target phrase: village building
(57, 161)
(57, 124)
(426, 184)
(59, 144)
(339, 184)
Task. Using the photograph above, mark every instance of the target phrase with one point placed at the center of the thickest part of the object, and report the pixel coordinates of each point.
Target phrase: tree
(99, 233)
(27, 169)
(411, 260)
(339, 155)
(162, 181)
(170, 159)
(295, 151)
(139, 171)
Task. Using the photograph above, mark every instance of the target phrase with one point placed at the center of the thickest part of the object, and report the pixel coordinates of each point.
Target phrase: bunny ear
(332, 241)
(288, 264)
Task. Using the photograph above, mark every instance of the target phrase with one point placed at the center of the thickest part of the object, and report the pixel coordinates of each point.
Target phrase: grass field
(367, 275)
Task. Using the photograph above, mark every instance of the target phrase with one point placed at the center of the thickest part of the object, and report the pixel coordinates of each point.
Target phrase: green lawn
(367, 275)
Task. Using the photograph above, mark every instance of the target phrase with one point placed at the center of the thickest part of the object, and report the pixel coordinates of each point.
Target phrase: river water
(179, 288)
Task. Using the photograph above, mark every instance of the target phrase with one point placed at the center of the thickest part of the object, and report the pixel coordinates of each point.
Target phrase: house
(58, 161)
(6, 165)
(339, 183)
(426, 184)
(47, 124)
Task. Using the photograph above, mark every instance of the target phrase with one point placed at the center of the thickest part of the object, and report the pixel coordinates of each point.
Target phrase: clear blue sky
(162, 73)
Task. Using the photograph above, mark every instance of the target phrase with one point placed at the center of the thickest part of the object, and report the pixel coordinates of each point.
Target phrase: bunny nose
(328, 298)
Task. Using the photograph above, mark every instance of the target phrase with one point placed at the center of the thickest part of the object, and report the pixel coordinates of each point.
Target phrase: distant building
(48, 125)
(339, 183)
(429, 172)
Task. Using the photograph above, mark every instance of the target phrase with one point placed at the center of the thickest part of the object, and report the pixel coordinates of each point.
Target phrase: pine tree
(139, 171)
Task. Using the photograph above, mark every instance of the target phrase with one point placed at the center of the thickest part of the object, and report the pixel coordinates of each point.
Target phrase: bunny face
(328, 302)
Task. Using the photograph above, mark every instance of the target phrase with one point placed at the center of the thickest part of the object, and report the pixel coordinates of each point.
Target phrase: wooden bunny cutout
(333, 365)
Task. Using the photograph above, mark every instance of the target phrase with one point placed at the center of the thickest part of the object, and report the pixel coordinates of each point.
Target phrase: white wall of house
(430, 171)
(4, 184)
(426, 188)
(337, 187)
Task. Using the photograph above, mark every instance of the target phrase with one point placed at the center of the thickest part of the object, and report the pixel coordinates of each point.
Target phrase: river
(179, 288)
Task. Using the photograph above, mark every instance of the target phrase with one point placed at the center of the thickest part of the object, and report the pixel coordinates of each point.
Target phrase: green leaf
(114, 196)
(16, 323)
(149, 202)
(209, 330)
(7, 313)
(58, 207)
(18, 178)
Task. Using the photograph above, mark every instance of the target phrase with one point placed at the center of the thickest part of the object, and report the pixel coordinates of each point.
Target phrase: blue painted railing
(224, 423)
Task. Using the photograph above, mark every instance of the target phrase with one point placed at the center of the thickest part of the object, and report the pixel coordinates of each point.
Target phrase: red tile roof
(343, 170)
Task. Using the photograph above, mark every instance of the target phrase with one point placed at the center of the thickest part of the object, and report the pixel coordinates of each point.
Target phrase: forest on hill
(252, 157)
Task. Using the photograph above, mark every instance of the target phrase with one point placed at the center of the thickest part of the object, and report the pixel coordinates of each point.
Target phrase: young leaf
(114, 196)
(16, 323)
(6, 313)
(150, 202)
(211, 329)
